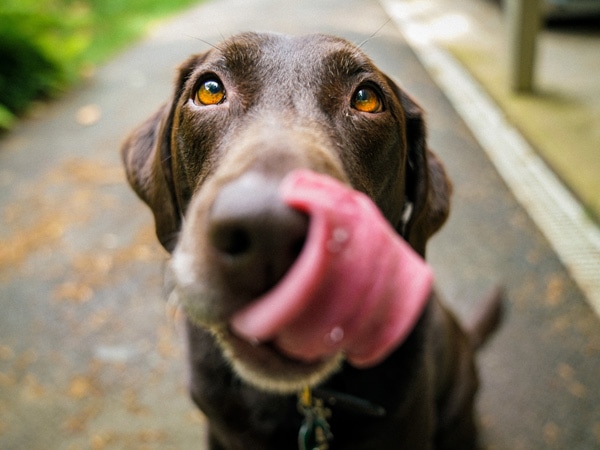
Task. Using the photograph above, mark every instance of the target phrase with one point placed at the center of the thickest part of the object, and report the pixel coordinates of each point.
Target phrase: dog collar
(315, 432)
(349, 403)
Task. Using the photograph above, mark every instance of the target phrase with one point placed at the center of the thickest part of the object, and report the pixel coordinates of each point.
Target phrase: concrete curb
(556, 212)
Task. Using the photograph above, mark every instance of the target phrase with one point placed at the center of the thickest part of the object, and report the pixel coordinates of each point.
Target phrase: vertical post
(523, 17)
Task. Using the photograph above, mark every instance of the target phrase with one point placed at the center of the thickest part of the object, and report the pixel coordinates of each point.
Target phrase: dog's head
(243, 115)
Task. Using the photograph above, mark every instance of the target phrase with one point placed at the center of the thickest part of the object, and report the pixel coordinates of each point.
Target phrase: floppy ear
(147, 156)
(427, 188)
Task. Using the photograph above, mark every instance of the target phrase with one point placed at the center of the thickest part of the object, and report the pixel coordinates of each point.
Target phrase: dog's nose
(256, 237)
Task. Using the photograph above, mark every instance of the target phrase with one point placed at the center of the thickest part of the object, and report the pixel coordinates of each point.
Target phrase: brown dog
(209, 163)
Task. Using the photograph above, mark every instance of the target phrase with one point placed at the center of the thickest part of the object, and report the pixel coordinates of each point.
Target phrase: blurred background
(49, 46)
(88, 357)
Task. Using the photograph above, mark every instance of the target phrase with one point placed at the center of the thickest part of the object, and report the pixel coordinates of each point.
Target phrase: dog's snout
(255, 237)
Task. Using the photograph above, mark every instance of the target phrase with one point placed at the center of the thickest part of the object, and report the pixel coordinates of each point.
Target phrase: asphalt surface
(88, 357)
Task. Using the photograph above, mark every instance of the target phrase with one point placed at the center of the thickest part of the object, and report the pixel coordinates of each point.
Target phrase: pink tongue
(357, 287)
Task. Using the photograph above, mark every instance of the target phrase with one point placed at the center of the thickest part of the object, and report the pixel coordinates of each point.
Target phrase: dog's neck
(349, 403)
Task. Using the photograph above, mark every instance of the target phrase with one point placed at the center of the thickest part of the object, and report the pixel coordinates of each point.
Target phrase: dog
(243, 115)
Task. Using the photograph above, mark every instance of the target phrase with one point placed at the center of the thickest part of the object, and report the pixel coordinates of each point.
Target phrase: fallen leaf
(33, 389)
(6, 352)
(551, 433)
(100, 441)
(597, 432)
(88, 115)
(7, 379)
(80, 387)
(74, 292)
(152, 436)
(554, 290)
(78, 422)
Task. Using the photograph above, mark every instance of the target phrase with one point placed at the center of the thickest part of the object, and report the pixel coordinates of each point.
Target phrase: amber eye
(366, 99)
(210, 92)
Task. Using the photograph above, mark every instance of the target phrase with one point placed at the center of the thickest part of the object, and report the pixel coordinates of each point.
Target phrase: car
(566, 9)
(570, 8)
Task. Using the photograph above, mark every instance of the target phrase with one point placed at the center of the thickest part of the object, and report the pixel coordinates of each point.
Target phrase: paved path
(88, 358)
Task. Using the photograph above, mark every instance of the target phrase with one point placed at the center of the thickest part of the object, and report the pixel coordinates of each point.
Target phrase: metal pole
(523, 17)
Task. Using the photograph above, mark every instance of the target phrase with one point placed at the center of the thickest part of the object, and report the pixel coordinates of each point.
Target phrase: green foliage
(25, 72)
(45, 45)
(40, 48)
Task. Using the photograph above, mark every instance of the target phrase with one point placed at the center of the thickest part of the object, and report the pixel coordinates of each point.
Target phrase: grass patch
(46, 45)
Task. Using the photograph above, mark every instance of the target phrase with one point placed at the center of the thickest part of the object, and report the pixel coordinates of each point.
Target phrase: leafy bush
(46, 44)
(25, 73)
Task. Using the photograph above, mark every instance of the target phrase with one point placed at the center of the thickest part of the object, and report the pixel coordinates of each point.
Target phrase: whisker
(374, 34)
(216, 47)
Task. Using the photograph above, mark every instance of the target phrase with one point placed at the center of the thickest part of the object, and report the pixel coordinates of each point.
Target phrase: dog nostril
(297, 246)
(233, 241)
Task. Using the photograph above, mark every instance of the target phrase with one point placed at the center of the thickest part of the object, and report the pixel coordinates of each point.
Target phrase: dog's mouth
(261, 362)
(267, 367)
(355, 291)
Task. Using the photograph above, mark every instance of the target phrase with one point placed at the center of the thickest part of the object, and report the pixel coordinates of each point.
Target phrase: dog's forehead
(272, 53)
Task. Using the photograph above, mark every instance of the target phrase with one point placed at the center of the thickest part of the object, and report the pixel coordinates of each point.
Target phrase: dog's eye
(366, 99)
(210, 92)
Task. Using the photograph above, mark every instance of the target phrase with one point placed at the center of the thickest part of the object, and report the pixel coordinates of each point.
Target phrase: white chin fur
(269, 371)
(258, 365)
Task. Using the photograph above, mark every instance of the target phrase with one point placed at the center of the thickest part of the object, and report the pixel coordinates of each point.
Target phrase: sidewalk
(88, 357)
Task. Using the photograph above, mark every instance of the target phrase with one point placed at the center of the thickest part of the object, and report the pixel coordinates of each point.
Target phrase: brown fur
(288, 106)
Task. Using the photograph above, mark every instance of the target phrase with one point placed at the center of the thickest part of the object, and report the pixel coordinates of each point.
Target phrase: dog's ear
(427, 187)
(147, 156)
